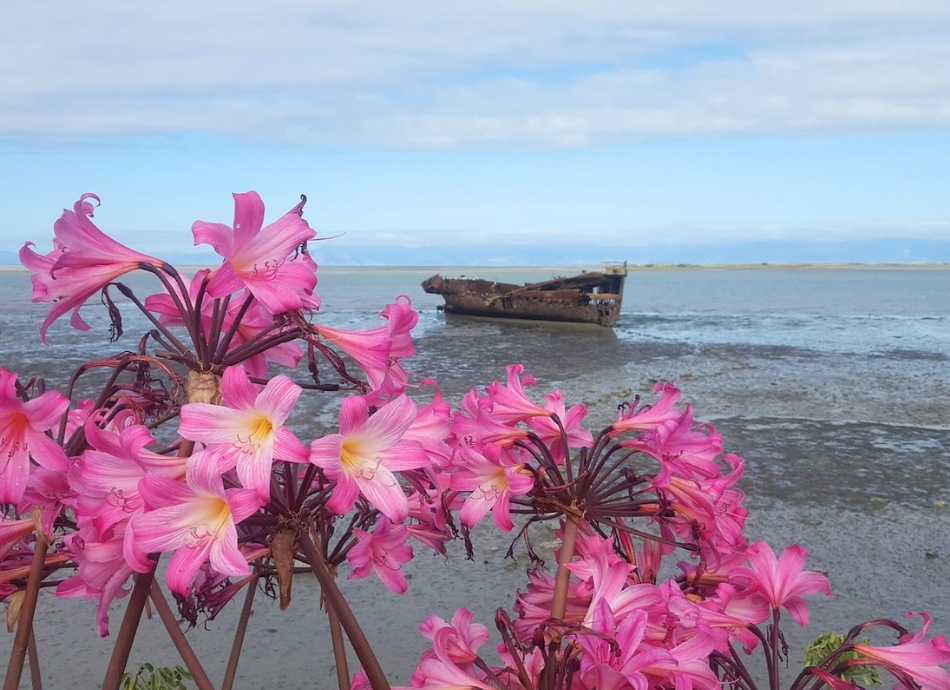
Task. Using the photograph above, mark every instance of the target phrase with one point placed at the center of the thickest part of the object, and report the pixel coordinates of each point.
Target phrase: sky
(489, 132)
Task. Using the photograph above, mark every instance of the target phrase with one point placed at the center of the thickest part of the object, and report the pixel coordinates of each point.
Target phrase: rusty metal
(584, 298)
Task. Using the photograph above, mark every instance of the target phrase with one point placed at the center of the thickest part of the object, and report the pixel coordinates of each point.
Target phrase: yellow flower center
(348, 456)
(261, 428)
(357, 459)
(211, 515)
(494, 487)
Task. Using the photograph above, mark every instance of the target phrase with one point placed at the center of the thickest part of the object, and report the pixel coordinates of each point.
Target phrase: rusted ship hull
(586, 298)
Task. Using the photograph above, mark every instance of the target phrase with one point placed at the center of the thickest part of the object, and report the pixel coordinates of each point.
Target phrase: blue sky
(482, 128)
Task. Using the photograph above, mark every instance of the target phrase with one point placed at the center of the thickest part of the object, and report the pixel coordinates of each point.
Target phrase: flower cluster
(186, 455)
(656, 585)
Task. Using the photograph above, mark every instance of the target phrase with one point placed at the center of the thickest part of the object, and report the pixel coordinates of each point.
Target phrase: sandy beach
(882, 540)
(841, 414)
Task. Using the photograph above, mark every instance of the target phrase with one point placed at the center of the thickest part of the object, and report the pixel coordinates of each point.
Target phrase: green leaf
(150, 678)
(828, 643)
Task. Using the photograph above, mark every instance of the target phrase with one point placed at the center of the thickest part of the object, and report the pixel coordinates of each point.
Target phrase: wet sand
(849, 458)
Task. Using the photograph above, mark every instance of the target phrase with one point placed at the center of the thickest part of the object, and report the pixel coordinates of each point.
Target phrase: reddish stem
(201, 388)
(126, 636)
(339, 651)
(334, 598)
(24, 628)
(563, 577)
(36, 678)
(178, 637)
(231, 671)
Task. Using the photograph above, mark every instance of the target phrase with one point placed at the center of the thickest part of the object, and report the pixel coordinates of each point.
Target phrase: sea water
(832, 383)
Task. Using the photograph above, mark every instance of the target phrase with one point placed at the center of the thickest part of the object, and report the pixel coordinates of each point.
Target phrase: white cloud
(434, 74)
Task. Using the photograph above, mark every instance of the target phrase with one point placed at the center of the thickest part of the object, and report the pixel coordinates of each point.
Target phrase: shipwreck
(590, 297)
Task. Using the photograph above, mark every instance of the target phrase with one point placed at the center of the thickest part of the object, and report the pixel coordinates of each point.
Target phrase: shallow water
(832, 384)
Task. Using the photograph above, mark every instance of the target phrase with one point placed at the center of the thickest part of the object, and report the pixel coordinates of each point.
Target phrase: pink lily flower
(247, 431)
(401, 318)
(252, 322)
(265, 261)
(13, 532)
(781, 581)
(378, 350)
(550, 434)
(835, 682)
(689, 667)
(510, 404)
(370, 349)
(103, 571)
(432, 427)
(23, 427)
(429, 511)
(78, 415)
(383, 551)
(615, 659)
(650, 417)
(361, 681)
(610, 583)
(83, 261)
(534, 605)
(466, 428)
(366, 452)
(437, 669)
(727, 615)
(48, 490)
(914, 656)
(493, 480)
(106, 477)
(592, 555)
(211, 591)
(458, 641)
(490, 431)
(690, 451)
(195, 519)
(710, 503)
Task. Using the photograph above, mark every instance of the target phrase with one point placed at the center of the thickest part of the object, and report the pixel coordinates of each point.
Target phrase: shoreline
(668, 267)
(913, 266)
(840, 449)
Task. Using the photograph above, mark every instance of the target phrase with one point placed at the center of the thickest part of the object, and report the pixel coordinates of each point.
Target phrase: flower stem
(563, 577)
(231, 670)
(178, 637)
(774, 633)
(334, 599)
(36, 678)
(126, 636)
(339, 651)
(24, 628)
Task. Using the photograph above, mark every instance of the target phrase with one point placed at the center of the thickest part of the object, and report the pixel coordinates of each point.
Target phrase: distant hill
(868, 251)
(341, 253)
